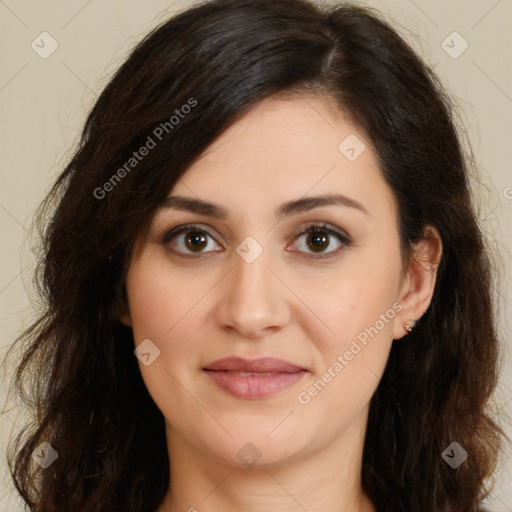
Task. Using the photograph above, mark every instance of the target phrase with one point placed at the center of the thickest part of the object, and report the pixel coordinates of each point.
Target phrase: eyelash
(343, 239)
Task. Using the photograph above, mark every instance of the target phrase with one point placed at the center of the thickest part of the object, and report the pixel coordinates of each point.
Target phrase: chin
(253, 448)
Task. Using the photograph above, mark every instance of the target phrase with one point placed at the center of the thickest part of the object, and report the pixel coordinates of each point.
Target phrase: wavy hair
(78, 371)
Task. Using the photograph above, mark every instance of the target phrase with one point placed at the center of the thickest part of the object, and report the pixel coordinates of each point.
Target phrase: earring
(408, 326)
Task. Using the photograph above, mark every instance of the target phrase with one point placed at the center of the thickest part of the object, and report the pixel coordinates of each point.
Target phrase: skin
(287, 303)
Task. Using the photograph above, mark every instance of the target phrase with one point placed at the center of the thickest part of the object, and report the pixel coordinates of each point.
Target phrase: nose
(253, 302)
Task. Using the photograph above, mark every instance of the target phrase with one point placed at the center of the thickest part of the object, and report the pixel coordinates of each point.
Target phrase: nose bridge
(254, 299)
(251, 276)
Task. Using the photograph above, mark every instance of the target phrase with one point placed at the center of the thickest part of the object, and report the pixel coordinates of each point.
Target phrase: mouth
(254, 379)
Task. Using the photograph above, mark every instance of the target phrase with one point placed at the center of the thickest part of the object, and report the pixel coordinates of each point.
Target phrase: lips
(253, 378)
(261, 365)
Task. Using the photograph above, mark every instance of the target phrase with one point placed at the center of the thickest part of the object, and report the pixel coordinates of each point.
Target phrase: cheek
(359, 306)
(357, 298)
(164, 308)
(349, 370)
(160, 299)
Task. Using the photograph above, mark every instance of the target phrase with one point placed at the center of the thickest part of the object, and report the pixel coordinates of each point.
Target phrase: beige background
(43, 103)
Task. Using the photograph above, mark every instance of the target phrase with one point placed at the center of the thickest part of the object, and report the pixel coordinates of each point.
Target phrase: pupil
(195, 241)
(319, 241)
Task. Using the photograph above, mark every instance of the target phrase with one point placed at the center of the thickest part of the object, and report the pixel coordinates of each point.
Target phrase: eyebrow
(301, 205)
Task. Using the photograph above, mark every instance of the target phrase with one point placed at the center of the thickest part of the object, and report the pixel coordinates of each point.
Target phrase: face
(298, 259)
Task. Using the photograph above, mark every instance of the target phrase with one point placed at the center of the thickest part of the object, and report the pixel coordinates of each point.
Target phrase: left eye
(318, 238)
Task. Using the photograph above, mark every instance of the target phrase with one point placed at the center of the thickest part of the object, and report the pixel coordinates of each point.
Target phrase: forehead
(284, 149)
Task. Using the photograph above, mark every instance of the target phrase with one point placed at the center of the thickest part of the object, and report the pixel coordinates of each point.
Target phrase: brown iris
(195, 241)
(317, 241)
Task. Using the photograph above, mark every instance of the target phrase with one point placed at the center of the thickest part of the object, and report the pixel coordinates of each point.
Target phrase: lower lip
(252, 387)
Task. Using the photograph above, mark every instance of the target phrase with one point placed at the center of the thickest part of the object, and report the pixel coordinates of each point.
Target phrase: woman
(266, 287)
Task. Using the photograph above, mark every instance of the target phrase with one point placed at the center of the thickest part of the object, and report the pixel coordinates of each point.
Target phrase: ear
(125, 319)
(122, 312)
(419, 280)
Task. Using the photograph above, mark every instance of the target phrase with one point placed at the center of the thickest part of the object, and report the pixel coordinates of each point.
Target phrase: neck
(328, 481)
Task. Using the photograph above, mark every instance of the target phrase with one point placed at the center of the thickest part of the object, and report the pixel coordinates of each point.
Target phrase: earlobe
(419, 283)
(125, 319)
(122, 313)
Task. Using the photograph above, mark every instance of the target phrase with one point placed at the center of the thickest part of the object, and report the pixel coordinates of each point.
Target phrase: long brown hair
(219, 59)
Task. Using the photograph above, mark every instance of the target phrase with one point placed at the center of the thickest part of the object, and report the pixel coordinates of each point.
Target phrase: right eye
(189, 240)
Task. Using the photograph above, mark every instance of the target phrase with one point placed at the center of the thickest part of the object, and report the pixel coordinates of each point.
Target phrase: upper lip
(261, 365)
